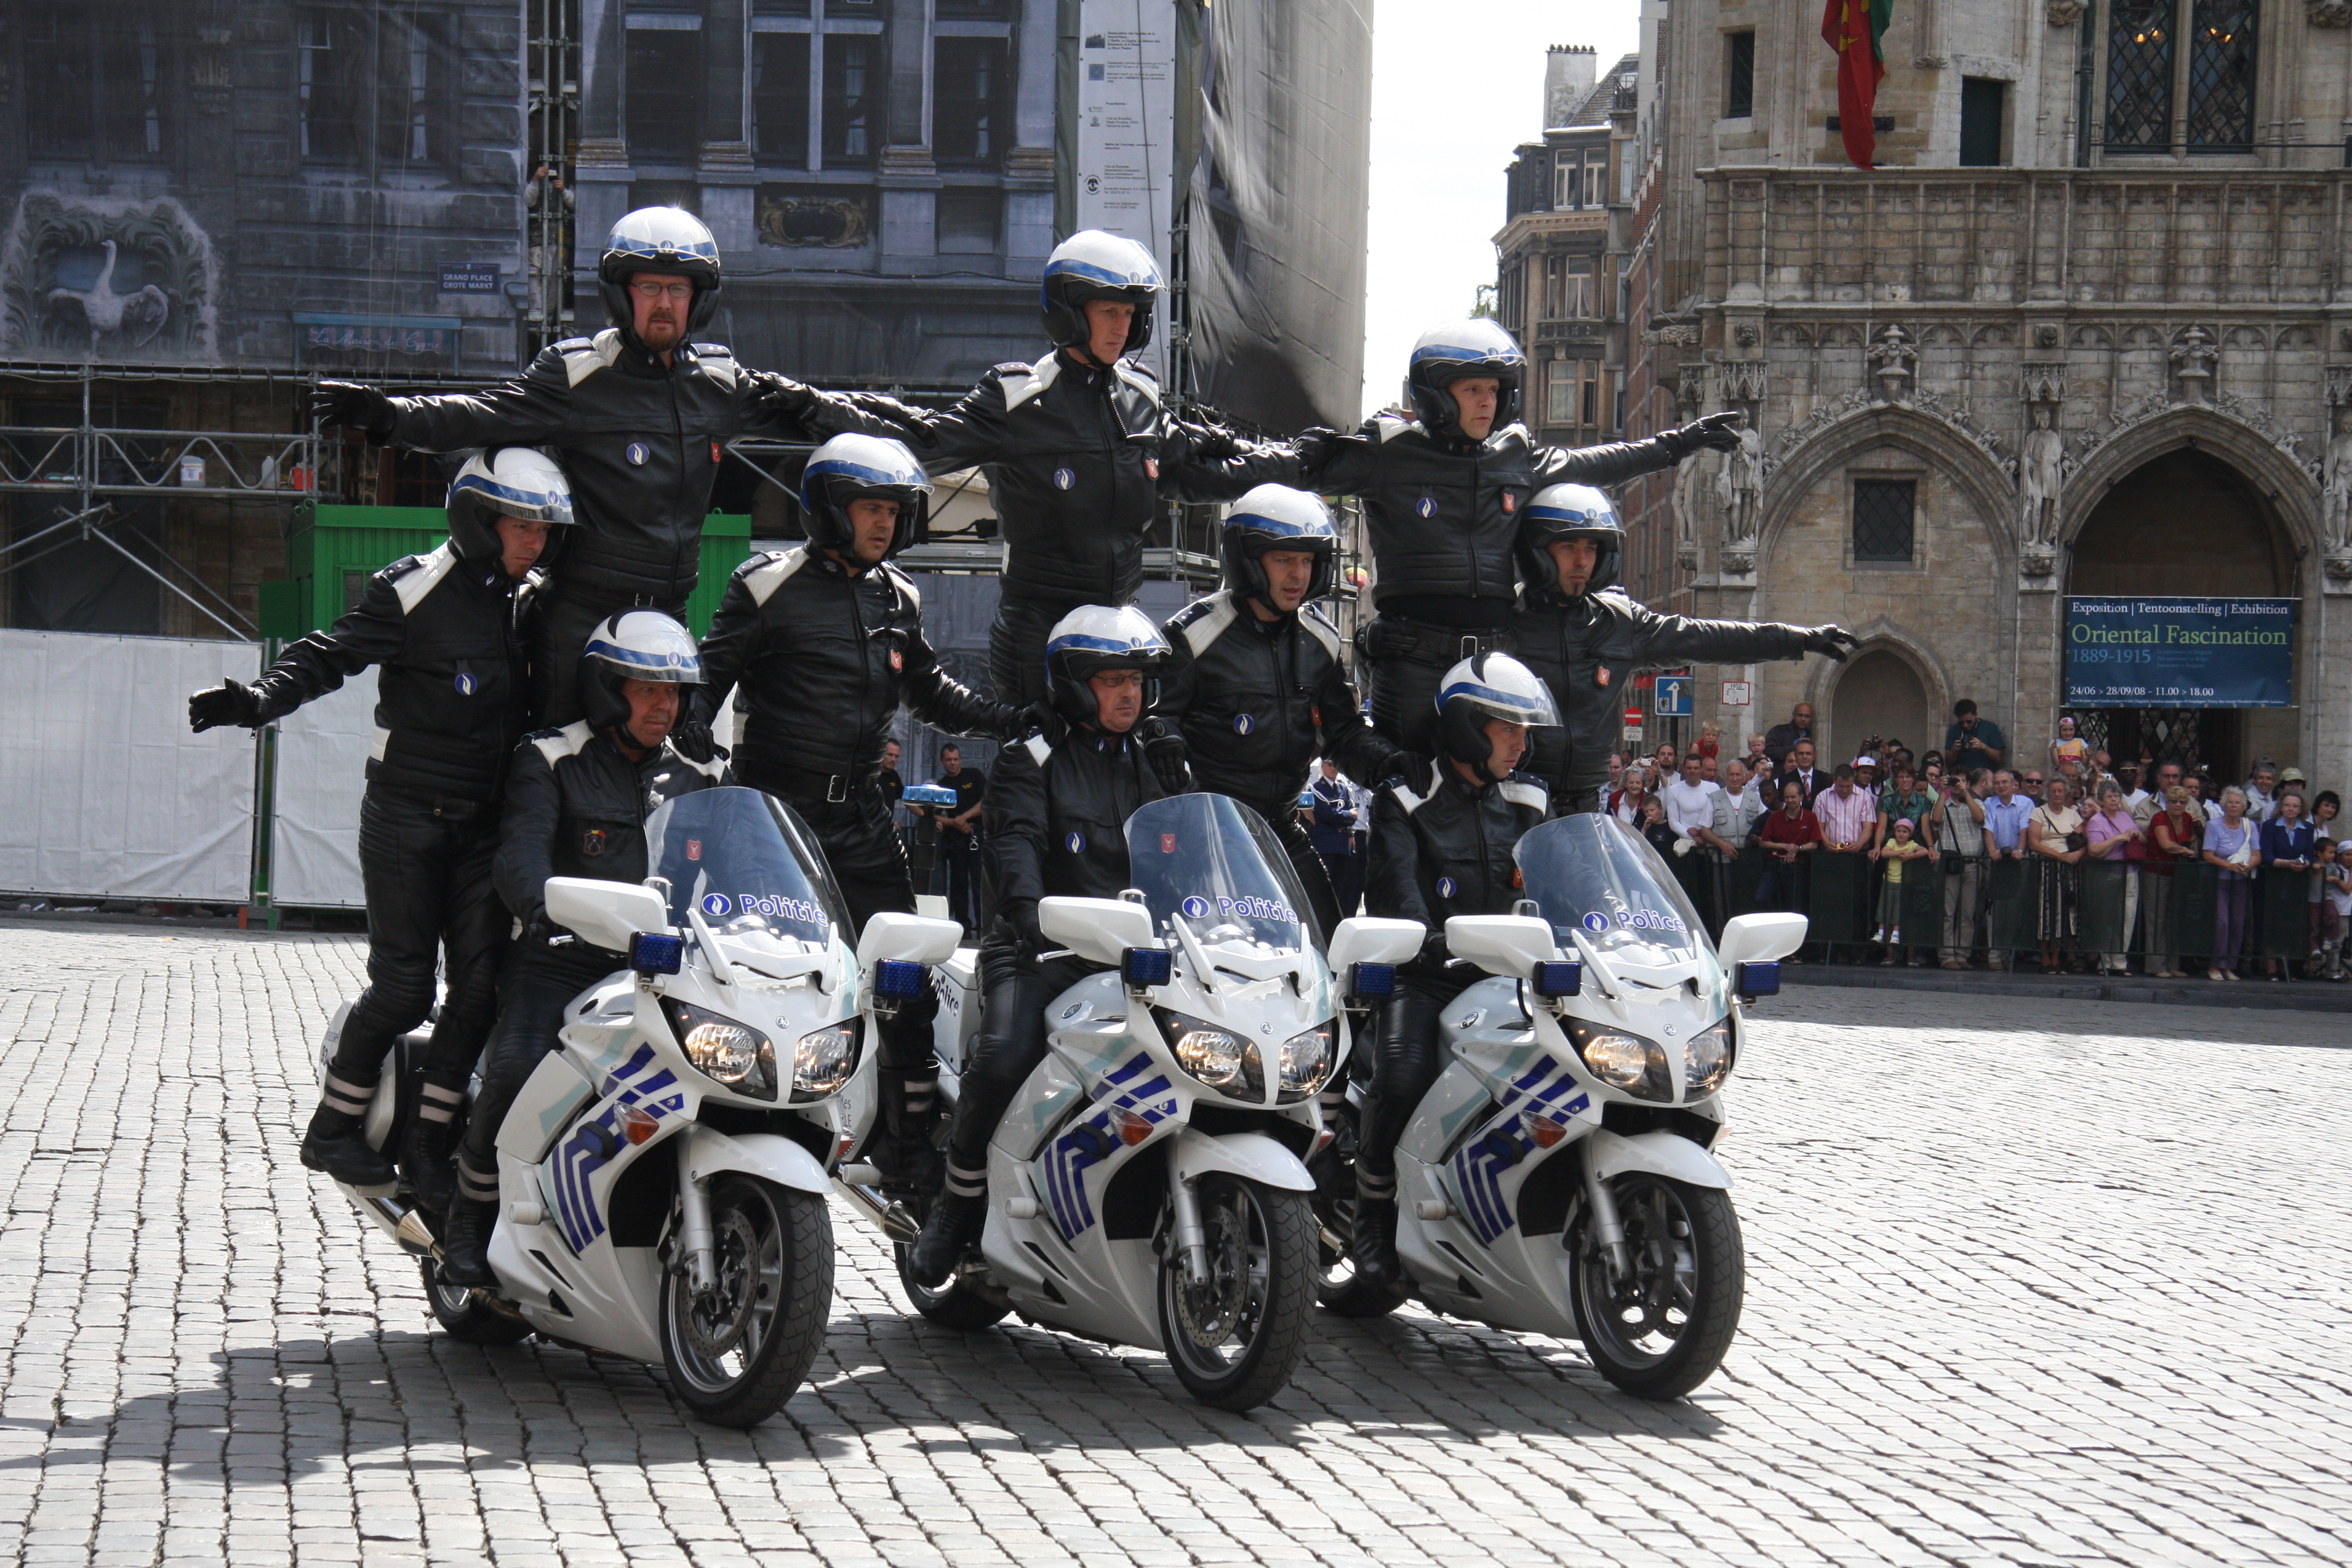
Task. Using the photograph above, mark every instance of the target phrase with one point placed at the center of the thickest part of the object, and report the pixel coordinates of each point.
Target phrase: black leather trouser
(1016, 648)
(566, 616)
(1014, 989)
(1406, 1063)
(534, 988)
(426, 869)
(869, 866)
(1299, 843)
(1405, 662)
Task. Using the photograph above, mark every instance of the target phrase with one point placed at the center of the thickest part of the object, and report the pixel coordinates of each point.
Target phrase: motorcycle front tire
(1710, 1253)
(1277, 1227)
(775, 1268)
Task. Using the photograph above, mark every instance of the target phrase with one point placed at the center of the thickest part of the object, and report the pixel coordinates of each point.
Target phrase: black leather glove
(1411, 766)
(1831, 640)
(347, 403)
(1020, 914)
(230, 703)
(781, 396)
(1719, 431)
(1315, 445)
(1210, 442)
(1165, 750)
(1434, 954)
(693, 740)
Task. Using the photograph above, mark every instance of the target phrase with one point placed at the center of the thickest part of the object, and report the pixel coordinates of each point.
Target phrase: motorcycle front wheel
(737, 1351)
(1662, 1331)
(1236, 1338)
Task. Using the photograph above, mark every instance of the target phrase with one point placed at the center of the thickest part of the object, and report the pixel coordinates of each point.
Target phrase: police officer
(1573, 628)
(451, 701)
(1442, 492)
(577, 801)
(639, 415)
(826, 640)
(1442, 843)
(1255, 681)
(1078, 448)
(1057, 811)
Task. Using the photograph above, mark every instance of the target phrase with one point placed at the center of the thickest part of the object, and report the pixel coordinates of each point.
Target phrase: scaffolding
(552, 85)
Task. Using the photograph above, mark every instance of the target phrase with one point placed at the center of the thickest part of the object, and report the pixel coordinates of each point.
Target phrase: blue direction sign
(1673, 697)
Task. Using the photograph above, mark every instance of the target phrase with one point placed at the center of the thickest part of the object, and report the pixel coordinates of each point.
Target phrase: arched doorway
(1878, 693)
(2186, 524)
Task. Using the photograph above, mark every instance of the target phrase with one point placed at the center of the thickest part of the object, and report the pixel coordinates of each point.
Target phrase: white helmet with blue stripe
(1489, 685)
(1095, 638)
(862, 467)
(659, 240)
(634, 645)
(1456, 352)
(504, 482)
(1569, 511)
(1093, 264)
(1276, 517)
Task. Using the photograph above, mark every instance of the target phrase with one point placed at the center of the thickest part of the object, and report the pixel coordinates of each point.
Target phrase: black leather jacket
(577, 808)
(1076, 458)
(823, 660)
(640, 441)
(1259, 702)
(1056, 815)
(1441, 846)
(1444, 514)
(1569, 642)
(452, 688)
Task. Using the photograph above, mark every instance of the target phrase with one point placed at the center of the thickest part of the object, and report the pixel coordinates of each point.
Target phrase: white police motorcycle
(1149, 1186)
(663, 1175)
(1556, 1178)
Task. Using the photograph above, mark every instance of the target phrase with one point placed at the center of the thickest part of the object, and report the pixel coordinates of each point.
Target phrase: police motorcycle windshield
(1591, 875)
(747, 866)
(1212, 863)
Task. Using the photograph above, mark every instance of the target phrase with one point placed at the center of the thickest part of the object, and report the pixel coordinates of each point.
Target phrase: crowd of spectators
(1967, 855)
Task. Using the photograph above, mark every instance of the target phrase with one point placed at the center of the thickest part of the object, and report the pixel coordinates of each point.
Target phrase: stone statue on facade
(1892, 357)
(2336, 493)
(2193, 358)
(1739, 487)
(1691, 475)
(2040, 472)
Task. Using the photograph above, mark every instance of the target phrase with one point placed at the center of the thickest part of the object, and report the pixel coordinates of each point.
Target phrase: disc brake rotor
(1210, 1313)
(716, 1320)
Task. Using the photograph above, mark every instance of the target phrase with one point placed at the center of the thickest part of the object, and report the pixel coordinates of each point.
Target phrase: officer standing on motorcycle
(639, 417)
(1442, 843)
(1442, 492)
(577, 801)
(826, 640)
(451, 701)
(1057, 814)
(1078, 448)
(1581, 637)
(1255, 681)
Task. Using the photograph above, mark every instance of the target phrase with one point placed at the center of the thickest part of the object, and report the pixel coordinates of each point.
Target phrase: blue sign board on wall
(1672, 699)
(2127, 652)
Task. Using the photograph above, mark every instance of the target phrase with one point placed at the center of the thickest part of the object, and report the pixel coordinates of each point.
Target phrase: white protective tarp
(107, 792)
(322, 751)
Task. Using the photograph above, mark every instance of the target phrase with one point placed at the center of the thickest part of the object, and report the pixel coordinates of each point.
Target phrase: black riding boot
(466, 1234)
(1372, 1247)
(905, 1153)
(958, 1217)
(336, 1141)
(425, 1152)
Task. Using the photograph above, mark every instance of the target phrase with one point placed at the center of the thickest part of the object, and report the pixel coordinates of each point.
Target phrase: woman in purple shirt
(2230, 849)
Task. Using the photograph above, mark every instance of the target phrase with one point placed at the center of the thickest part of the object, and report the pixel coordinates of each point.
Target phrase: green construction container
(335, 549)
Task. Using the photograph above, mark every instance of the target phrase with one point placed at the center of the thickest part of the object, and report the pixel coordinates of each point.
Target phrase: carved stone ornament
(2063, 13)
(1688, 558)
(1681, 332)
(2157, 404)
(2041, 381)
(2328, 13)
(1794, 436)
(1740, 380)
(1740, 563)
(1892, 360)
(1744, 334)
(2193, 358)
(2339, 386)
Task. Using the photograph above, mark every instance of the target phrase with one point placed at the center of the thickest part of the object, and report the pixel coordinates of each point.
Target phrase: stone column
(726, 174)
(908, 180)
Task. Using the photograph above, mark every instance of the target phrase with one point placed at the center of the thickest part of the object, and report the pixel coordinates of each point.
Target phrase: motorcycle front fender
(1253, 1156)
(1668, 1154)
(706, 1153)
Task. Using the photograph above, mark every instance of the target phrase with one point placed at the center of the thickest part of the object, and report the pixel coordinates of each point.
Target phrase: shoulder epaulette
(904, 582)
(1021, 383)
(1038, 747)
(1318, 626)
(419, 574)
(1010, 367)
(1202, 622)
(590, 355)
(763, 574)
(1388, 426)
(557, 744)
(720, 351)
(1525, 789)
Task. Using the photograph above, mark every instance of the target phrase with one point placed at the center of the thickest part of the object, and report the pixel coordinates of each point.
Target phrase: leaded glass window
(2139, 76)
(2221, 74)
(1882, 520)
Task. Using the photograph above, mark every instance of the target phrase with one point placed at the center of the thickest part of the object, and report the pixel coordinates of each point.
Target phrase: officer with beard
(1584, 637)
(1443, 491)
(639, 417)
(444, 631)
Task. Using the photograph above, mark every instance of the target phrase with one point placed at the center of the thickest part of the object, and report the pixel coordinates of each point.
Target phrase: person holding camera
(1960, 838)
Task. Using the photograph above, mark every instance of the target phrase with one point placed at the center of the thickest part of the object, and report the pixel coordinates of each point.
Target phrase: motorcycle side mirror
(604, 914)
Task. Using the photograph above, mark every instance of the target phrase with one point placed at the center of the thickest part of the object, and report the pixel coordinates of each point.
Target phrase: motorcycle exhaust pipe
(893, 1217)
(407, 1225)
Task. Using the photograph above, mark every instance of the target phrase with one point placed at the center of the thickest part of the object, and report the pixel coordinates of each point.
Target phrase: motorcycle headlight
(1624, 1061)
(1706, 1061)
(823, 1059)
(1209, 1052)
(724, 1051)
(1306, 1063)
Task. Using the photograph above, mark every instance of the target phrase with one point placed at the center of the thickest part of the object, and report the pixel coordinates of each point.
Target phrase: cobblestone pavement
(2011, 1300)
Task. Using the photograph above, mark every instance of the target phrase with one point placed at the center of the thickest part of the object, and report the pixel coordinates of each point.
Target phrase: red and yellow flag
(1854, 28)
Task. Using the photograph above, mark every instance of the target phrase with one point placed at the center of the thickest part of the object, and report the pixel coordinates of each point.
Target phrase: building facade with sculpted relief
(2085, 330)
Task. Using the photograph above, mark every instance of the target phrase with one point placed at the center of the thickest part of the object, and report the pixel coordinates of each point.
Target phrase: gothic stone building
(2086, 328)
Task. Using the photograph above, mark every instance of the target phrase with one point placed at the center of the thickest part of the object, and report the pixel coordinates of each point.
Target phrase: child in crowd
(2069, 752)
(1896, 854)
